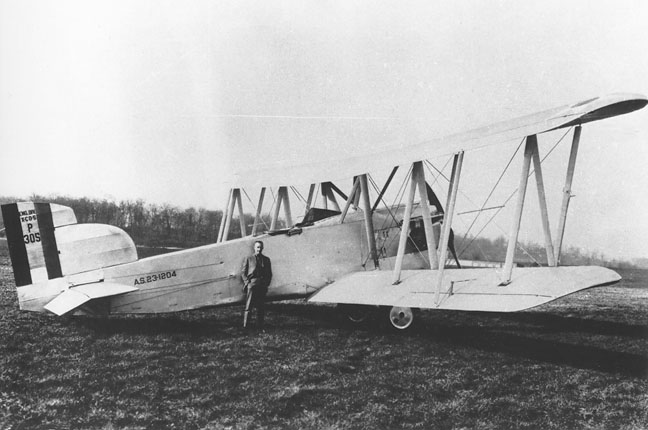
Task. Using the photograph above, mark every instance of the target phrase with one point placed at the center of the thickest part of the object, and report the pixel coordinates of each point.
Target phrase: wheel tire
(355, 314)
(401, 318)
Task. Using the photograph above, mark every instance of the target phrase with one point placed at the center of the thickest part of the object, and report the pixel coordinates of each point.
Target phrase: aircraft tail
(47, 248)
(32, 244)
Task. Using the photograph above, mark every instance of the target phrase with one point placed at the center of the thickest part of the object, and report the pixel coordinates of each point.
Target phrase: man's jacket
(256, 271)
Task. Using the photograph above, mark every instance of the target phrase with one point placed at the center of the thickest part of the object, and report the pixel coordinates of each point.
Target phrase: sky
(163, 101)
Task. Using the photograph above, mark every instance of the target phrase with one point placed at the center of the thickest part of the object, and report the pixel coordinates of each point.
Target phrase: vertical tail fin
(45, 242)
(30, 236)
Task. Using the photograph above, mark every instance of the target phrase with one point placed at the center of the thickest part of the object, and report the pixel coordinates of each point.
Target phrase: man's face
(258, 247)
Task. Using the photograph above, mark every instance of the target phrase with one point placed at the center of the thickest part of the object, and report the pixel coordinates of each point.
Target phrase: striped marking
(48, 240)
(17, 250)
(32, 243)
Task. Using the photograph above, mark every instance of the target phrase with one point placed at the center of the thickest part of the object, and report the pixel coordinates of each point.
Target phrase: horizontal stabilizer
(465, 289)
(74, 297)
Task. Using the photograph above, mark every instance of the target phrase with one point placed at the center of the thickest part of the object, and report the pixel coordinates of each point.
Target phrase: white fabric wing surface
(401, 153)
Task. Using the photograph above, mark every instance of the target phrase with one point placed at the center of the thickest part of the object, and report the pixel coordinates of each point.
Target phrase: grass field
(580, 362)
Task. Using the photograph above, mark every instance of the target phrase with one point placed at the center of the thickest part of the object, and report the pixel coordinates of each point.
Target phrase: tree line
(533, 254)
(165, 225)
(148, 224)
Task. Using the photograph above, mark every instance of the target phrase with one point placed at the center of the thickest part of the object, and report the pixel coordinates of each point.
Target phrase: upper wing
(404, 153)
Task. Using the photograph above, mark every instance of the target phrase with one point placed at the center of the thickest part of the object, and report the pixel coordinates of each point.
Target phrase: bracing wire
(254, 207)
(297, 194)
(439, 172)
(510, 197)
(376, 188)
(492, 191)
(389, 210)
(436, 178)
(429, 164)
(400, 195)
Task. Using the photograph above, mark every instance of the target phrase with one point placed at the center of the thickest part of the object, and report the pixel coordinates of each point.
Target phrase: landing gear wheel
(355, 313)
(401, 318)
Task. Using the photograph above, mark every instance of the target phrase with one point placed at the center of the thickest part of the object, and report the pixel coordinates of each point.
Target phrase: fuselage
(304, 259)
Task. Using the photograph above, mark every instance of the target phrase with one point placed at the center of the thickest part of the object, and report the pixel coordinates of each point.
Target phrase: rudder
(31, 240)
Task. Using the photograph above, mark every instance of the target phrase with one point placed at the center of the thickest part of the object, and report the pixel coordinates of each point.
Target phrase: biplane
(346, 251)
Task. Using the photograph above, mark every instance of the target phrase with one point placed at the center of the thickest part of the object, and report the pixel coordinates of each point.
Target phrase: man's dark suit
(256, 274)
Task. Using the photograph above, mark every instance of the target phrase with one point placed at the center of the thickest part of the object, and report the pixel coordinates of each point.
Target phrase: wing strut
(366, 208)
(309, 201)
(239, 205)
(531, 153)
(257, 216)
(335, 188)
(327, 195)
(224, 224)
(447, 219)
(519, 206)
(282, 198)
(567, 195)
(542, 201)
(418, 175)
(229, 215)
(404, 231)
(384, 189)
(418, 181)
(233, 200)
(350, 200)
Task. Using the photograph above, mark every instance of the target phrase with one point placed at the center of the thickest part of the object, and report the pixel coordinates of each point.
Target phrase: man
(256, 274)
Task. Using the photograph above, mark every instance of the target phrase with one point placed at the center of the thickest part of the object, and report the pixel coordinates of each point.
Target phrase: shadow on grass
(549, 351)
(549, 323)
(155, 324)
(463, 329)
(488, 332)
(216, 322)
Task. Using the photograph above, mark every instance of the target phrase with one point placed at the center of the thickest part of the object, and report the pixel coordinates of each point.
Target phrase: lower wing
(465, 289)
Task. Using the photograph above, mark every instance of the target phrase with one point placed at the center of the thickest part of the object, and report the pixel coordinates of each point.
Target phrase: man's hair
(258, 241)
